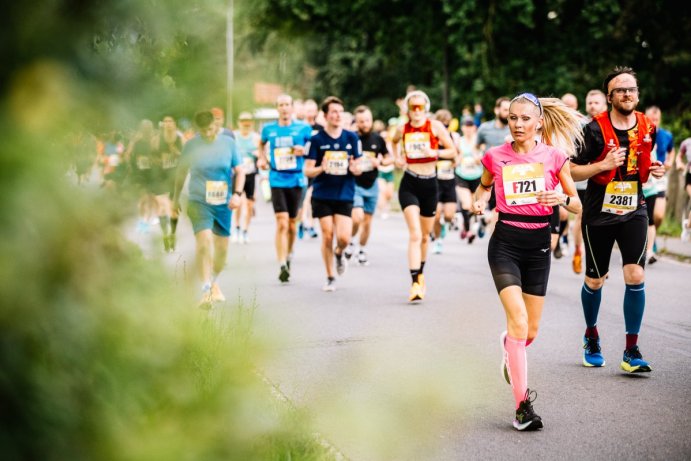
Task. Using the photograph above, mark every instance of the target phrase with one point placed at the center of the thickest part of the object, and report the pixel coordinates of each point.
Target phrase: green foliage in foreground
(102, 356)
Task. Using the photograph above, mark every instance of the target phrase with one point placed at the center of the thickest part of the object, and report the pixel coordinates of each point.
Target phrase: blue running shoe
(592, 357)
(482, 229)
(301, 231)
(633, 361)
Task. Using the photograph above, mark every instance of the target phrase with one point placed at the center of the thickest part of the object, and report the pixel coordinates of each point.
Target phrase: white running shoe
(329, 286)
(437, 249)
(362, 258)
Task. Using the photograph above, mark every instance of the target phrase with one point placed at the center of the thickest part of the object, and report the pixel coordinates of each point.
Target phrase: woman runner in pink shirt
(524, 174)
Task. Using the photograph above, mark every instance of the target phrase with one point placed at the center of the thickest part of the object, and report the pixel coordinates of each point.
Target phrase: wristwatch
(237, 193)
(567, 201)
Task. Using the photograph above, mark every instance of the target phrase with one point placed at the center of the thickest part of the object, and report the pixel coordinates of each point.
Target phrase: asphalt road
(383, 379)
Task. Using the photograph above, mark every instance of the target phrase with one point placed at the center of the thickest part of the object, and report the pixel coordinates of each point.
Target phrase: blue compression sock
(634, 305)
(590, 299)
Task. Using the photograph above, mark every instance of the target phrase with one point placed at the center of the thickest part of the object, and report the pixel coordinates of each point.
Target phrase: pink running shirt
(523, 177)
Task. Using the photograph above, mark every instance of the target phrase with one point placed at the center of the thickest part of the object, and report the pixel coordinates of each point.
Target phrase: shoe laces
(527, 404)
(591, 345)
(634, 353)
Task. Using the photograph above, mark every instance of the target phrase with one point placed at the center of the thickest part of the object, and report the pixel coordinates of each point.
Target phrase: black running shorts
(323, 208)
(520, 257)
(447, 191)
(249, 185)
(650, 204)
(286, 199)
(471, 184)
(421, 192)
(631, 237)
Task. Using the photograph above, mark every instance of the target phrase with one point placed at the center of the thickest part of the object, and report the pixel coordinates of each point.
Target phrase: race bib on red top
(417, 145)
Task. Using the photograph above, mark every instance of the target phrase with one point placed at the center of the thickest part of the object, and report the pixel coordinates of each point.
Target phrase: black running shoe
(526, 419)
(284, 275)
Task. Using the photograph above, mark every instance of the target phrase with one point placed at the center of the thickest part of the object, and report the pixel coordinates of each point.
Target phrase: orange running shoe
(216, 293)
(577, 262)
(416, 292)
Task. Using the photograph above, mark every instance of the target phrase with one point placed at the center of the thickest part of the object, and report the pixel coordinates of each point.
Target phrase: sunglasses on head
(530, 97)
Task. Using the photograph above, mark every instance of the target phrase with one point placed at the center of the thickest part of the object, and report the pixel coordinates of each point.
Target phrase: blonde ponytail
(562, 127)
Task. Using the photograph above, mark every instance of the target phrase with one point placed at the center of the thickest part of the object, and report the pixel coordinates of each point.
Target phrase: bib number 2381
(620, 197)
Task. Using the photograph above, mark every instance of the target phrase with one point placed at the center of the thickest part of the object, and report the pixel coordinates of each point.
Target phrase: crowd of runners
(536, 174)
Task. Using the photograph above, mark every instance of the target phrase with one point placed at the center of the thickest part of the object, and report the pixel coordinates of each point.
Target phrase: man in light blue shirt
(212, 161)
(285, 142)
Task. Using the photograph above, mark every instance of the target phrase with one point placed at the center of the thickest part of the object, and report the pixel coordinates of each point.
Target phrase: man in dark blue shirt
(331, 161)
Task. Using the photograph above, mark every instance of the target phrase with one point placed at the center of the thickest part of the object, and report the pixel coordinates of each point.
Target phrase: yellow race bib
(416, 145)
(366, 161)
(620, 197)
(285, 159)
(248, 165)
(336, 162)
(522, 182)
(445, 169)
(216, 192)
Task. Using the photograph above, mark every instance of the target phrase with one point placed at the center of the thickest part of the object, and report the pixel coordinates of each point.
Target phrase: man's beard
(622, 110)
(504, 121)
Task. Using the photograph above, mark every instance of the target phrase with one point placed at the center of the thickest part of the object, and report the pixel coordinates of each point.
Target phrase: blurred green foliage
(103, 355)
(368, 51)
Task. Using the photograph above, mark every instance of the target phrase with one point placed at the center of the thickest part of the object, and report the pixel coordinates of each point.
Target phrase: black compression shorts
(631, 237)
(446, 191)
(471, 184)
(249, 185)
(421, 192)
(322, 208)
(520, 257)
(286, 199)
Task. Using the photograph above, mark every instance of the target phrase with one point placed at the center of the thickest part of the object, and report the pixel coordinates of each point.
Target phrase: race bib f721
(522, 182)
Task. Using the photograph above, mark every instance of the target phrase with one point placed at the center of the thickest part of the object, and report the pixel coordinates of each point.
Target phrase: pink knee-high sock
(517, 365)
